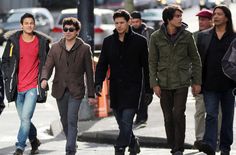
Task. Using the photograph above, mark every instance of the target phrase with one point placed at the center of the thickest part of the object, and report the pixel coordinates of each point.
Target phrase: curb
(109, 137)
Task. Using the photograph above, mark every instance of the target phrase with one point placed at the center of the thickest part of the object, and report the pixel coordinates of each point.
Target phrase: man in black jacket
(141, 28)
(217, 88)
(24, 55)
(126, 53)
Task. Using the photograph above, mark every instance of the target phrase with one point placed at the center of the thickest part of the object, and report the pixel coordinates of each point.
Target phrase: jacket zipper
(14, 69)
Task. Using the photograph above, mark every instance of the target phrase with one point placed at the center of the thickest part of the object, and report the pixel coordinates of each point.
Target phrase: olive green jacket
(173, 62)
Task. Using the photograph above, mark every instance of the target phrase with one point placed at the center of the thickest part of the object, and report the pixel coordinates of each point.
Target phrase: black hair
(72, 21)
(169, 11)
(26, 15)
(122, 13)
(136, 14)
(227, 12)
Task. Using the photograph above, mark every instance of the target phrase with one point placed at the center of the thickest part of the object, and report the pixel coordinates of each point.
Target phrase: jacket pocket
(184, 75)
(162, 76)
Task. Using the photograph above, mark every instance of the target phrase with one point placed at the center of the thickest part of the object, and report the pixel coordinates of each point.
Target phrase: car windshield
(157, 15)
(13, 17)
(103, 19)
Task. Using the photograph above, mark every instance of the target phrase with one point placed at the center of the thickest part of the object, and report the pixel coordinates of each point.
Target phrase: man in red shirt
(22, 61)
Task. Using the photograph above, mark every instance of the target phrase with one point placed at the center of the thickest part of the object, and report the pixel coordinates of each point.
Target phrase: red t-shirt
(28, 64)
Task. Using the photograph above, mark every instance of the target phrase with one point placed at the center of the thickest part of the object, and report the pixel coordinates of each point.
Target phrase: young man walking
(217, 88)
(22, 61)
(174, 64)
(126, 53)
(72, 59)
(141, 28)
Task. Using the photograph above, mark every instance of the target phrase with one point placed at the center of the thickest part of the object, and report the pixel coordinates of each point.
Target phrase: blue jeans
(25, 105)
(124, 118)
(69, 108)
(212, 100)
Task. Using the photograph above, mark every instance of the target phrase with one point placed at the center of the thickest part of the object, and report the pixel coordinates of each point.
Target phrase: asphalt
(105, 130)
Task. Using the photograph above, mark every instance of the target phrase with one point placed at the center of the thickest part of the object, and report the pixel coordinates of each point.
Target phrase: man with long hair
(217, 88)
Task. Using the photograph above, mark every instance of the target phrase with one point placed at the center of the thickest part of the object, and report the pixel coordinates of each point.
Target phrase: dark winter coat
(174, 62)
(10, 61)
(126, 65)
(203, 43)
(2, 105)
(70, 70)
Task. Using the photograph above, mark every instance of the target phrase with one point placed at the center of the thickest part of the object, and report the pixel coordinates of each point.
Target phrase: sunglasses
(71, 29)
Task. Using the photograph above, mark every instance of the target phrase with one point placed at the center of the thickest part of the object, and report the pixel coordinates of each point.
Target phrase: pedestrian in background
(174, 64)
(126, 53)
(217, 88)
(205, 22)
(72, 58)
(141, 28)
(24, 55)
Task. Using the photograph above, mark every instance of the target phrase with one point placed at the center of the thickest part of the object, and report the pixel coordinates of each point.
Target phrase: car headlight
(1, 31)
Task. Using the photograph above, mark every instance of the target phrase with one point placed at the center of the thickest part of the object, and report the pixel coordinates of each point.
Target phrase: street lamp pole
(86, 17)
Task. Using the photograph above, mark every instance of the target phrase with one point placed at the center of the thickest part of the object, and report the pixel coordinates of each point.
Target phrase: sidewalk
(153, 135)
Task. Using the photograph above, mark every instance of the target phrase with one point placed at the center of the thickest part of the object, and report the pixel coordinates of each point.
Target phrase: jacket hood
(16, 33)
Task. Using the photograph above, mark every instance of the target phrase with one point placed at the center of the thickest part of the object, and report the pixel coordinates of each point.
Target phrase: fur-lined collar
(12, 33)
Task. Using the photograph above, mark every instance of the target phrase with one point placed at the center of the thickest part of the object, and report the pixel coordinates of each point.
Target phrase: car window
(14, 17)
(65, 16)
(107, 19)
(154, 14)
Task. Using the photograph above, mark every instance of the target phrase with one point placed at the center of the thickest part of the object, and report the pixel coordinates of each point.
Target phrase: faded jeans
(25, 105)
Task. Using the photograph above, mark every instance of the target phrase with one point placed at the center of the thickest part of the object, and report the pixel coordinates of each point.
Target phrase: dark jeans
(124, 118)
(173, 104)
(212, 100)
(69, 108)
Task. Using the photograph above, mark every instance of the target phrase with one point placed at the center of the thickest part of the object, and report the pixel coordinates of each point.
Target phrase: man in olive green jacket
(174, 64)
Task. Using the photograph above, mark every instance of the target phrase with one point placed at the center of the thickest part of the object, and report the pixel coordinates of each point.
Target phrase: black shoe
(197, 144)
(140, 124)
(35, 145)
(224, 153)
(178, 153)
(119, 151)
(206, 148)
(135, 149)
(18, 152)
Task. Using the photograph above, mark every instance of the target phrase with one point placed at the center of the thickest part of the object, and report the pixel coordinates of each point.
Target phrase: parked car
(43, 20)
(103, 26)
(210, 4)
(183, 3)
(109, 4)
(141, 4)
(152, 17)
